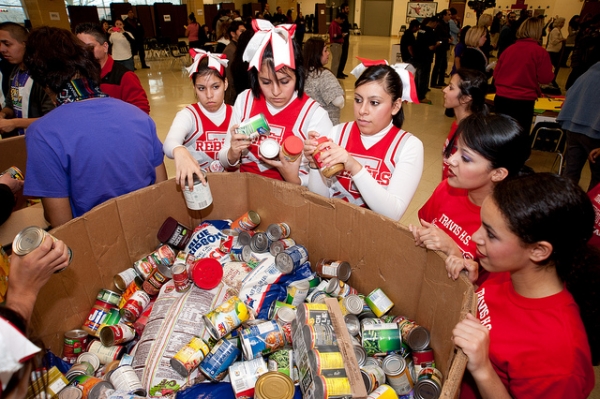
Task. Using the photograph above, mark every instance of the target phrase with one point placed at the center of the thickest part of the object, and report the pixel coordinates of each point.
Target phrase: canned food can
(106, 354)
(282, 361)
(244, 237)
(262, 339)
(190, 356)
(352, 324)
(414, 335)
(351, 305)
(326, 171)
(32, 237)
(429, 384)
(73, 345)
(164, 254)
(291, 258)
(229, 239)
(123, 279)
(320, 361)
(83, 368)
(125, 379)
(317, 297)
(373, 376)
(180, 278)
(339, 289)
(332, 387)
(297, 292)
(383, 392)
(327, 268)
(375, 361)
(91, 387)
(70, 392)
(45, 384)
(248, 221)
(200, 197)
(243, 376)
(131, 289)
(254, 127)
(14, 172)
(97, 315)
(259, 243)
(218, 360)
(154, 282)
(269, 148)
(276, 247)
(313, 314)
(379, 302)
(135, 306)
(91, 359)
(359, 353)
(277, 231)
(241, 253)
(319, 336)
(422, 359)
(226, 317)
(398, 374)
(140, 324)
(285, 315)
(276, 305)
(292, 148)
(274, 385)
(117, 334)
(381, 338)
(174, 233)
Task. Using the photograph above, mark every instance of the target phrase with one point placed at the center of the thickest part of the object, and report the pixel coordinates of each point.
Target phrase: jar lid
(207, 273)
(269, 148)
(293, 145)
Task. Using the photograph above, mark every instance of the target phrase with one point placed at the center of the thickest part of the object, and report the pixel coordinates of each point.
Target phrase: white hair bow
(218, 62)
(279, 36)
(406, 72)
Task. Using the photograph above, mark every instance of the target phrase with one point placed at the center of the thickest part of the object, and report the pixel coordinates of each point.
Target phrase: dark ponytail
(547, 207)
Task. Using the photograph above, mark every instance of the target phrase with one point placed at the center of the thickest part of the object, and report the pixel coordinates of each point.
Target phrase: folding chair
(180, 52)
(547, 136)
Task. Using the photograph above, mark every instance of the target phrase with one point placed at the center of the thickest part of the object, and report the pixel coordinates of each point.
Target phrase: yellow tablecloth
(542, 104)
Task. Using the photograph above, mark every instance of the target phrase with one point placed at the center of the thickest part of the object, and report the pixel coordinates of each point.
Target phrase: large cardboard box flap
(382, 253)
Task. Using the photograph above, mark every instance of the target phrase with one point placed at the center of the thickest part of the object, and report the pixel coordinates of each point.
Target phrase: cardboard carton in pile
(382, 253)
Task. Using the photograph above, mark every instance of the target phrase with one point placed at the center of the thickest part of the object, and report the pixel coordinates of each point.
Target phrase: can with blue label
(218, 360)
(291, 258)
(262, 339)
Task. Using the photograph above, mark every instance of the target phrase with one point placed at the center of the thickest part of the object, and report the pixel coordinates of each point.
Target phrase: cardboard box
(14, 153)
(382, 253)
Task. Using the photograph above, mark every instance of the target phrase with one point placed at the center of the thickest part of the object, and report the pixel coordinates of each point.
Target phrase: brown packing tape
(344, 342)
(381, 252)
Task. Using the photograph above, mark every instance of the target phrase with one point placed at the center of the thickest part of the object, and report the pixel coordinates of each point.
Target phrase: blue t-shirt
(91, 151)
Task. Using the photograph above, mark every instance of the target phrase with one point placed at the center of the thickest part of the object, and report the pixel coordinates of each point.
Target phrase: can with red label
(180, 278)
(135, 306)
(140, 324)
(105, 301)
(74, 343)
(117, 334)
(422, 359)
(154, 282)
(164, 254)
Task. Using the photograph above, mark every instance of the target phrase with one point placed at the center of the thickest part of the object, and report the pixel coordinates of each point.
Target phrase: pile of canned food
(296, 344)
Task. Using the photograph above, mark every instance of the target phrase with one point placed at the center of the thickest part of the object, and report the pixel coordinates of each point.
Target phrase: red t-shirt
(538, 347)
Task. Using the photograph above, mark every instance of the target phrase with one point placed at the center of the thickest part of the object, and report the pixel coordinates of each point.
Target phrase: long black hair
(474, 84)
(497, 138)
(391, 84)
(546, 207)
(267, 61)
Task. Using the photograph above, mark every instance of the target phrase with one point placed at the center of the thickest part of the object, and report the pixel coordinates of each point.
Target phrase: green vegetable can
(381, 338)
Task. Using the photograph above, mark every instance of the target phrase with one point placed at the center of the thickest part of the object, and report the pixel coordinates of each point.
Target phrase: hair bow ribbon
(279, 36)
(218, 62)
(406, 72)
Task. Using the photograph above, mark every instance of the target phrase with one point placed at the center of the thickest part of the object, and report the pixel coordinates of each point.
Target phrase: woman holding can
(198, 130)
(276, 91)
(542, 291)
(382, 164)
(489, 149)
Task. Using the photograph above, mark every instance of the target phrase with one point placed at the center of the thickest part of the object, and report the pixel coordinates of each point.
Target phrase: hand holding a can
(432, 237)
(29, 273)
(239, 143)
(186, 166)
(311, 144)
(332, 153)
(455, 265)
(14, 184)
(474, 340)
(290, 171)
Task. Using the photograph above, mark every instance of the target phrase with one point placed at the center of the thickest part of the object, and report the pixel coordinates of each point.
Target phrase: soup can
(91, 387)
(83, 368)
(262, 339)
(32, 237)
(200, 197)
(154, 282)
(245, 236)
(429, 384)
(422, 359)
(259, 243)
(131, 289)
(125, 379)
(379, 302)
(190, 356)
(352, 324)
(337, 288)
(414, 335)
(135, 306)
(285, 315)
(106, 354)
(274, 385)
(276, 305)
(218, 360)
(291, 258)
(313, 314)
(117, 334)
(373, 376)
(351, 305)
(381, 338)
(243, 376)
(70, 392)
(241, 253)
(398, 374)
(73, 344)
(248, 221)
(332, 387)
(90, 358)
(164, 254)
(123, 279)
(226, 317)
(297, 292)
(277, 231)
(340, 269)
(319, 336)
(180, 278)
(359, 352)
(140, 324)
(383, 392)
(254, 127)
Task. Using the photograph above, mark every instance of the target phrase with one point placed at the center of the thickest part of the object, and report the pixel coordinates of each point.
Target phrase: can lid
(393, 365)
(285, 315)
(344, 271)
(76, 334)
(332, 286)
(70, 392)
(27, 240)
(354, 304)
(418, 338)
(367, 380)
(293, 145)
(426, 389)
(91, 358)
(274, 385)
(207, 273)
(361, 354)
(107, 336)
(284, 263)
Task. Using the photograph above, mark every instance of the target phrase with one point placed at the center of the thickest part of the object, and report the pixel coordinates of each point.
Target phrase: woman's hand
(455, 264)
(432, 237)
(336, 154)
(593, 154)
(239, 143)
(7, 125)
(310, 145)
(186, 166)
(474, 340)
(290, 171)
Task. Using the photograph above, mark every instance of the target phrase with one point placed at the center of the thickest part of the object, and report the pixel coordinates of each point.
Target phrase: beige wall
(197, 7)
(39, 12)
